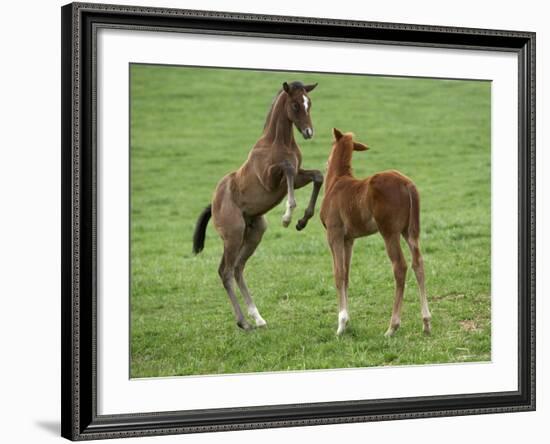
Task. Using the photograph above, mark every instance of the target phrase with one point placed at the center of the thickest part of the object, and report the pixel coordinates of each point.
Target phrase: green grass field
(191, 126)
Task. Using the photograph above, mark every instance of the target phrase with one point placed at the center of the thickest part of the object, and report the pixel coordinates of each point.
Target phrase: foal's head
(298, 106)
(345, 140)
(339, 161)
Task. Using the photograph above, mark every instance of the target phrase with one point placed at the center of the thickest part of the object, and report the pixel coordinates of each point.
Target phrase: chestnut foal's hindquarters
(386, 202)
(271, 172)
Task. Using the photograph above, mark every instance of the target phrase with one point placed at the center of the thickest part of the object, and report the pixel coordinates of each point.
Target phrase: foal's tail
(200, 229)
(414, 212)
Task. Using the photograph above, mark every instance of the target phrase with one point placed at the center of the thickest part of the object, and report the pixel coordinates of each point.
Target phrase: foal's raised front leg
(290, 173)
(302, 179)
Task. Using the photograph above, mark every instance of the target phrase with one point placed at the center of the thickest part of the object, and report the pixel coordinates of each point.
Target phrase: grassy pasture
(191, 126)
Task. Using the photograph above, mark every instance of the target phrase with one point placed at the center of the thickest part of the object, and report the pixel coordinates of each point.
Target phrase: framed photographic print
(274, 221)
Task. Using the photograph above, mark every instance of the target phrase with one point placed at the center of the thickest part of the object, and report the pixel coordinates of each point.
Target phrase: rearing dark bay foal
(271, 172)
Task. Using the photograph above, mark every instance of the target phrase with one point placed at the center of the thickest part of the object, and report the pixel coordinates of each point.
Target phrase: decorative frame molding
(80, 22)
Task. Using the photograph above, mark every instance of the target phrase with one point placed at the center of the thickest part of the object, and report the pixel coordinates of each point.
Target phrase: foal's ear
(337, 134)
(357, 146)
(311, 87)
(286, 87)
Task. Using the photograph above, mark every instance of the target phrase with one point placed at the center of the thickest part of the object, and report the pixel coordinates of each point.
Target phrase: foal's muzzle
(307, 133)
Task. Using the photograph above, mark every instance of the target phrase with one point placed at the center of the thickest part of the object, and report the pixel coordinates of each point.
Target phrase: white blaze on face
(305, 102)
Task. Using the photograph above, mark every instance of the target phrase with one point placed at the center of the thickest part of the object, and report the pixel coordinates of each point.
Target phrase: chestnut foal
(271, 172)
(387, 202)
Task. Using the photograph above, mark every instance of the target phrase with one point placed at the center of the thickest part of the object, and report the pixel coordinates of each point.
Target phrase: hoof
(244, 325)
(427, 327)
(253, 311)
(301, 225)
(343, 319)
(286, 222)
(391, 331)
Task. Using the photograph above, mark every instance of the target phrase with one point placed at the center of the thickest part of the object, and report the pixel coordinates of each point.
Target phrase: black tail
(200, 229)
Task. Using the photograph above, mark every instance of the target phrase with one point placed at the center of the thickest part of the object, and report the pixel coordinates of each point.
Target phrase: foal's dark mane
(293, 85)
(268, 117)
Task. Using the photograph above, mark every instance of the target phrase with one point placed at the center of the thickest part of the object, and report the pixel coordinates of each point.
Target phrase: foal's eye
(295, 107)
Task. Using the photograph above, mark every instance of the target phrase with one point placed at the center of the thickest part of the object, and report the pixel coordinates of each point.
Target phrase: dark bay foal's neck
(278, 127)
(339, 164)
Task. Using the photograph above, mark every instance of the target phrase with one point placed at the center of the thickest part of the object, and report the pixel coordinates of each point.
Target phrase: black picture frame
(80, 420)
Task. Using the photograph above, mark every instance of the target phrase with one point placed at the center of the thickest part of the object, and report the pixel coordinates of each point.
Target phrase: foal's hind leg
(393, 248)
(252, 237)
(341, 260)
(418, 267)
(226, 272)
(230, 224)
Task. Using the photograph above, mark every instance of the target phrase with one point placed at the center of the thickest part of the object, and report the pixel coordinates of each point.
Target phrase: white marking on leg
(287, 217)
(343, 318)
(253, 311)
(426, 317)
(394, 326)
(426, 311)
